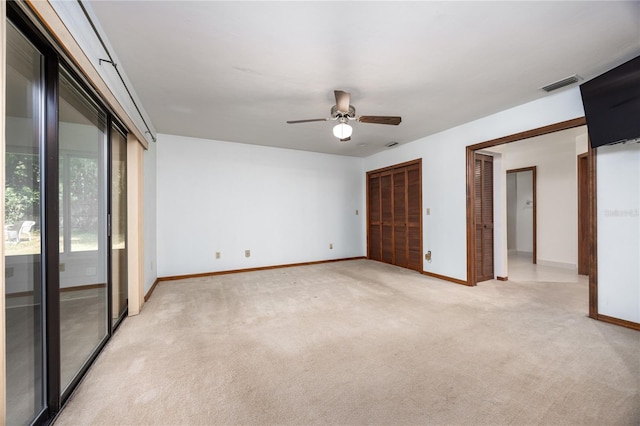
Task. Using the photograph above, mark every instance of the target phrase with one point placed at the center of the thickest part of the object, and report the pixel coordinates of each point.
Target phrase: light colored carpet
(360, 342)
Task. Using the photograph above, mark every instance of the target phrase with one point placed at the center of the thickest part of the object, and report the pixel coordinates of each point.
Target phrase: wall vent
(562, 83)
(391, 144)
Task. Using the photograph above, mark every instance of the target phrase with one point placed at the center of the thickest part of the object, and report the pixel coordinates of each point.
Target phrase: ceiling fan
(343, 112)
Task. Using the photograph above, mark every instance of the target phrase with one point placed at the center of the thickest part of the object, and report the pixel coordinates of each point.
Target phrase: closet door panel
(400, 246)
(414, 223)
(397, 191)
(400, 217)
(483, 216)
(399, 198)
(414, 198)
(375, 242)
(415, 248)
(386, 197)
(387, 243)
(374, 199)
(375, 215)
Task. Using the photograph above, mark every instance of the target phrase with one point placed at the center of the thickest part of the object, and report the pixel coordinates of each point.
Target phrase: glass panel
(118, 223)
(23, 292)
(83, 248)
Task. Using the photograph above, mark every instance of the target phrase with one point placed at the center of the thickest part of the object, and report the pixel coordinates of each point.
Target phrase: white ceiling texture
(237, 71)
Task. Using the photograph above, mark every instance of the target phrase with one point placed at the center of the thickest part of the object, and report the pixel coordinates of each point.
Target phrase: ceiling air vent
(562, 83)
(391, 144)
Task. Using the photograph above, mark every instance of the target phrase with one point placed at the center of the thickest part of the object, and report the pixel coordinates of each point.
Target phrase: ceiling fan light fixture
(342, 131)
(342, 112)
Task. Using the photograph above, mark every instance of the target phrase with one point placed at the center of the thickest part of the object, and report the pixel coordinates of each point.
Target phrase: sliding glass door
(65, 225)
(22, 236)
(83, 227)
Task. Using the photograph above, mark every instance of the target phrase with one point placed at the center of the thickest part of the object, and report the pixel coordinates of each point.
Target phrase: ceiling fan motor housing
(350, 115)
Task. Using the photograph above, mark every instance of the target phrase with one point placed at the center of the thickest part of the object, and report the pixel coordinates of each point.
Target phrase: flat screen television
(612, 105)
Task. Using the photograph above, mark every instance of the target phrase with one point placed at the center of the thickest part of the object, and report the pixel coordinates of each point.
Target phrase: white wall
(500, 251)
(618, 181)
(524, 212)
(444, 171)
(285, 206)
(511, 211)
(150, 222)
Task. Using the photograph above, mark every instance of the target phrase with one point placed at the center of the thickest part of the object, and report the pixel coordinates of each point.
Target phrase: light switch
(428, 211)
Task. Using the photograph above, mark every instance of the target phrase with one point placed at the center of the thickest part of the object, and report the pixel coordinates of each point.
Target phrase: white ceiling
(237, 71)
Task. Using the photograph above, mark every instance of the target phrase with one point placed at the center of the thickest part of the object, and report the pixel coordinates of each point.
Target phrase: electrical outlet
(61, 267)
(357, 212)
(428, 211)
(217, 255)
(330, 246)
(247, 253)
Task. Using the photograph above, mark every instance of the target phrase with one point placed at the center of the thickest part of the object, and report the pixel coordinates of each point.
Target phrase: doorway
(521, 213)
(498, 146)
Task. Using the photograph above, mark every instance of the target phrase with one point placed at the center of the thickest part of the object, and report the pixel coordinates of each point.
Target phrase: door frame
(471, 234)
(583, 216)
(534, 189)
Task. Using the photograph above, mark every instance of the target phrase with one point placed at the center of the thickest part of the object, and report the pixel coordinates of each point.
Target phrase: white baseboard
(514, 252)
(557, 264)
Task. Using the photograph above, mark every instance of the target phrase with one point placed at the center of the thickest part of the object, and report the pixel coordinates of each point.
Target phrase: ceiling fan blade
(342, 100)
(345, 139)
(380, 119)
(307, 121)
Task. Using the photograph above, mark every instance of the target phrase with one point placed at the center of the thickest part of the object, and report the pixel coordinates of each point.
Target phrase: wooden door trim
(533, 170)
(581, 225)
(470, 151)
(593, 240)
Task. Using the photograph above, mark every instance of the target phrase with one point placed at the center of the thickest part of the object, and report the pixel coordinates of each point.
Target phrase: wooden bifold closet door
(483, 216)
(394, 198)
